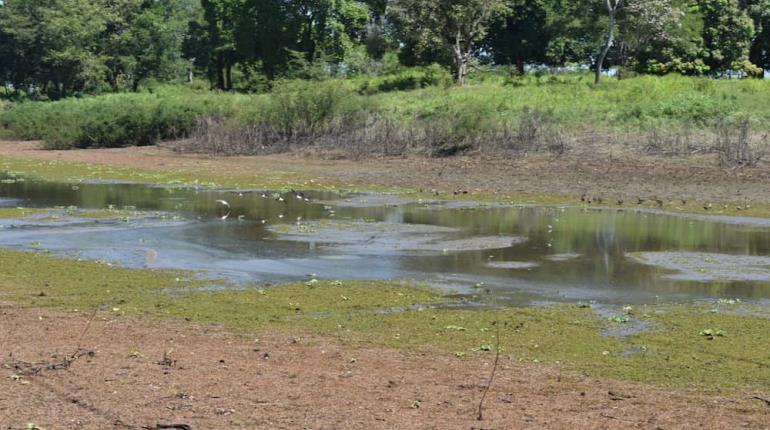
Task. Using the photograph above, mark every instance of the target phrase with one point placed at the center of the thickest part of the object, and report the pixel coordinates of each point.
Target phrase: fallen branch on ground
(169, 426)
(29, 369)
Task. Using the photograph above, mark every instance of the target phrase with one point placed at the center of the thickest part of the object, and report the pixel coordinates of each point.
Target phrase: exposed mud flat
(512, 265)
(707, 267)
(370, 200)
(363, 237)
(562, 257)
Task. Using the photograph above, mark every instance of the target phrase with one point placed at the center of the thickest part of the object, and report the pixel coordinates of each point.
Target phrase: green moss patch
(720, 350)
(58, 214)
(11, 213)
(75, 172)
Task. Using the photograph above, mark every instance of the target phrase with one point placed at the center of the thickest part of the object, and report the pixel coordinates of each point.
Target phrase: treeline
(58, 48)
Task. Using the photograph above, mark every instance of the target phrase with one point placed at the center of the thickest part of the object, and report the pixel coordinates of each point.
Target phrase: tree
(213, 46)
(52, 44)
(647, 28)
(728, 33)
(457, 25)
(62, 47)
(143, 39)
(521, 36)
(574, 29)
(759, 11)
(274, 37)
(613, 6)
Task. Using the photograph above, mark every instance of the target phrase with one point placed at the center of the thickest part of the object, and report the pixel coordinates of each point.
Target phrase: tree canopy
(58, 48)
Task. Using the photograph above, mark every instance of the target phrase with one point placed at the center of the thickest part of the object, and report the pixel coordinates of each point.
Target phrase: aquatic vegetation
(11, 213)
(620, 319)
(62, 213)
(712, 333)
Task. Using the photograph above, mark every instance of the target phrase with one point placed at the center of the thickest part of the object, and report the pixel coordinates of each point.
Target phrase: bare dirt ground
(595, 173)
(144, 373)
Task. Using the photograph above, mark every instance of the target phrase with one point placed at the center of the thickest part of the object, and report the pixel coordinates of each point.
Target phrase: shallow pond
(487, 253)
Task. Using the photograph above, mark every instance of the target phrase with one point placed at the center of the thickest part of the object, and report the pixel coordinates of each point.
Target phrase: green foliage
(727, 33)
(112, 120)
(457, 26)
(408, 79)
(417, 107)
(52, 49)
(57, 48)
(759, 11)
(301, 107)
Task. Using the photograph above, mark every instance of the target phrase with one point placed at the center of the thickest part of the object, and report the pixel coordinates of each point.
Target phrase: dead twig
(167, 360)
(169, 426)
(480, 417)
(762, 399)
(30, 369)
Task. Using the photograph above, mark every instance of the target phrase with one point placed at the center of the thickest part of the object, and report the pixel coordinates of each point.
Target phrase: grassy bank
(417, 112)
(674, 350)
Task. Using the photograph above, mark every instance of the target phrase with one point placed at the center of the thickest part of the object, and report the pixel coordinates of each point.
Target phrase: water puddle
(486, 253)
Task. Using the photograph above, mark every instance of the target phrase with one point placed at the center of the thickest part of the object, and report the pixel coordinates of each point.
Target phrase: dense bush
(112, 120)
(408, 79)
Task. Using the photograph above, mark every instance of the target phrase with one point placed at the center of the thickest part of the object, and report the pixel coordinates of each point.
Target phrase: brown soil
(596, 173)
(144, 373)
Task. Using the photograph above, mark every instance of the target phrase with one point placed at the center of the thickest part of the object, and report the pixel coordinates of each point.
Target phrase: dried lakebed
(487, 253)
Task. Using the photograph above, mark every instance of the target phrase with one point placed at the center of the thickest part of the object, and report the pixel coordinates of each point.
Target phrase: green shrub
(305, 107)
(695, 108)
(111, 120)
(409, 79)
(302, 112)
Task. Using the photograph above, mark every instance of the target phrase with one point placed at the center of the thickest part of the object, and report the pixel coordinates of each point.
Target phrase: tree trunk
(220, 72)
(462, 72)
(611, 10)
(460, 58)
(229, 76)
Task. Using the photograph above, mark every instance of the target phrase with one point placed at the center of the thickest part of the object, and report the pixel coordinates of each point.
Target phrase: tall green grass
(411, 108)
(113, 120)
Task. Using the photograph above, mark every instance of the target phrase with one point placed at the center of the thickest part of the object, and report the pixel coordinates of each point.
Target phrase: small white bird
(227, 205)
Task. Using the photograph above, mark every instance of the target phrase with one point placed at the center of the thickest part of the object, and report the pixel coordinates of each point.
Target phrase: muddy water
(487, 253)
